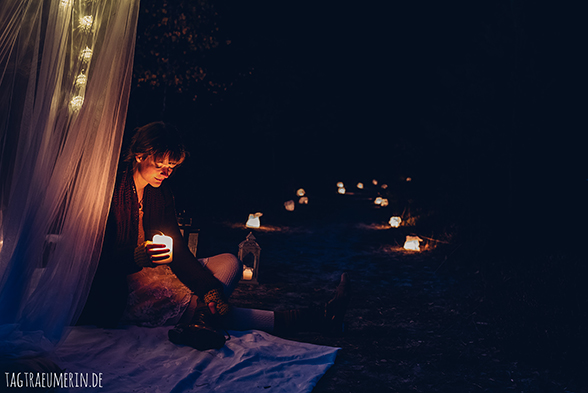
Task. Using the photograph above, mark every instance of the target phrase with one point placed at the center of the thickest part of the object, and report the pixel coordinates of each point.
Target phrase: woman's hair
(158, 139)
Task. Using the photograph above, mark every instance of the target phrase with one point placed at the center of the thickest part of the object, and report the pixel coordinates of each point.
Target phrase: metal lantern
(249, 255)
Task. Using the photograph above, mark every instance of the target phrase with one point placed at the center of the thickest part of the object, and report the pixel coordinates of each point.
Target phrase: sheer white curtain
(65, 74)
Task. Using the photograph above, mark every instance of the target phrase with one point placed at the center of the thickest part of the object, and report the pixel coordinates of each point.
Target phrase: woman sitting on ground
(135, 285)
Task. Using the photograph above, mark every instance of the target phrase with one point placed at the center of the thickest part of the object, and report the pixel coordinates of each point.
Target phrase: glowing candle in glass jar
(162, 239)
(247, 273)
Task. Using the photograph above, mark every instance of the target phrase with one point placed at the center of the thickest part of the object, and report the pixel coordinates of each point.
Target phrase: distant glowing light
(375, 182)
(378, 201)
(360, 186)
(384, 202)
(76, 103)
(81, 80)
(289, 205)
(300, 192)
(341, 190)
(253, 221)
(412, 243)
(395, 221)
(409, 179)
(303, 200)
(384, 186)
(86, 22)
(86, 55)
(340, 184)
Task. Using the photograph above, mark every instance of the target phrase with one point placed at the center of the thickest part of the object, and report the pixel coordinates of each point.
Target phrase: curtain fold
(65, 74)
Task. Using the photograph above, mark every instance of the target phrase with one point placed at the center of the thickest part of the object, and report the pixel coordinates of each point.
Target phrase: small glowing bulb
(378, 201)
(300, 192)
(86, 55)
(76, 103)
(86, 22)
(81, 80)
(395, 221)
(375, 182)
(340, 184)
(360, 186)
(341, 190)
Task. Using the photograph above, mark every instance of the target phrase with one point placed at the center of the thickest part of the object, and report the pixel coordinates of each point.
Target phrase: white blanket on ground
(139, 359)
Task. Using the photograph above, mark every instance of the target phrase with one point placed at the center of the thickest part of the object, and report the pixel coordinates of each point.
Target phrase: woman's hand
(149, 254)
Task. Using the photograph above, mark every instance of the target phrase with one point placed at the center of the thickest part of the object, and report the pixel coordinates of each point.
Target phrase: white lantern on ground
(340, 184)
(360, 186)
(300, 192)
(341, 190)
(253, 221)
(412, 243)
(395, 221)
(378, 201)
(289, 205)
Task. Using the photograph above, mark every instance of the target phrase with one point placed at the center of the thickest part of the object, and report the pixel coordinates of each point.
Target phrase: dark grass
(434, 321)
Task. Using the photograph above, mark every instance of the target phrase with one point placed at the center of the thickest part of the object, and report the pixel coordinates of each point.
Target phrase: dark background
(479, 103)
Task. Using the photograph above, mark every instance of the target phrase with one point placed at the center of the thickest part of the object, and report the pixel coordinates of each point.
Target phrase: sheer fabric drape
(65, 74)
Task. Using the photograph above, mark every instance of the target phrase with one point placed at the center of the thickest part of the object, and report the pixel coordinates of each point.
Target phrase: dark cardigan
(107, 299)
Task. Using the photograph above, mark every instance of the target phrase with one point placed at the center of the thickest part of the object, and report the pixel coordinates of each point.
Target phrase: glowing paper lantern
(378, 201)
(340, 184)
(168, 241)
(360, 186)
(303, 200)
(395, 221)
(341, 190)
(253, 221)
(289, 205)
(300, 192)
(412, 243)
(384, 202)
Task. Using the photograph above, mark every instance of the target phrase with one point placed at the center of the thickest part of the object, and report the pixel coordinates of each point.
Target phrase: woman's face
(150, 171)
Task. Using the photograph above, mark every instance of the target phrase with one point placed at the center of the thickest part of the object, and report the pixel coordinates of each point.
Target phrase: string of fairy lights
(82, 15)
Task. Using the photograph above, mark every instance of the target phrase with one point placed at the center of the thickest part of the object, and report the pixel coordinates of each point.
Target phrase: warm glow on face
(253, 221)
(412, 243)
(341, 190)
(360, 186)
(395, 221)
(300, 192)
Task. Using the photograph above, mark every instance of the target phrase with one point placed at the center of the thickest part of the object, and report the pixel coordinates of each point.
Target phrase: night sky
(467, 98)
